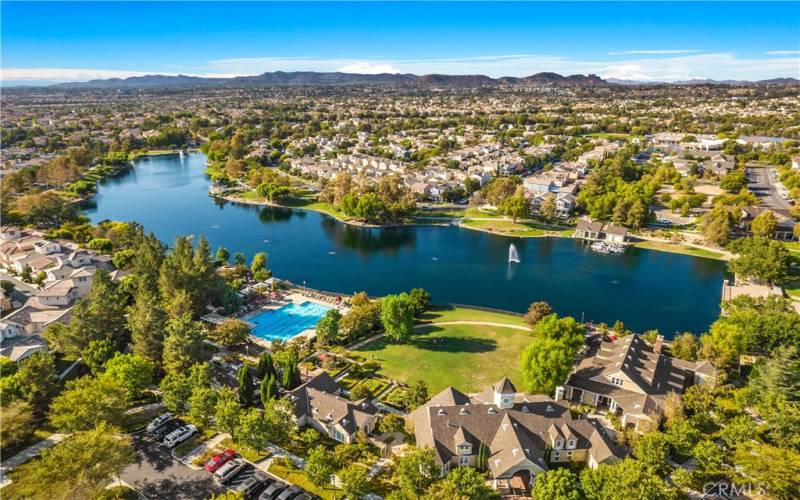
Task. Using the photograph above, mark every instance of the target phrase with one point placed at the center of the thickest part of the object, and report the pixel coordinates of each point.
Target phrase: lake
(643, 288)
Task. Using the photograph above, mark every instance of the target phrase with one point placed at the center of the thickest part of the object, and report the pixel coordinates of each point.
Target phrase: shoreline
(638, 241)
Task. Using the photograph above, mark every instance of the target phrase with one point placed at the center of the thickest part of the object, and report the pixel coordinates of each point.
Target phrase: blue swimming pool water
(287, 321)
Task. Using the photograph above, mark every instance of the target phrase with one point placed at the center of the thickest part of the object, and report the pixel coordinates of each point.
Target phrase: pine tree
(147, 262)
(245, 385)
(183, 344)
(266, 366)
(291, 375)
(269, 389)
(147, 321)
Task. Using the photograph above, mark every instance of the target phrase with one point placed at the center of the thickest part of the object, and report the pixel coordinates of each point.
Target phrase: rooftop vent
(441, 412)
(549, 408)
(462, 411)
(492, 411)
(525, 409)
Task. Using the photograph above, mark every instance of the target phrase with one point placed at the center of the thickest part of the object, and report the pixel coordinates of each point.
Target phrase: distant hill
(313, 78)
(698, 81)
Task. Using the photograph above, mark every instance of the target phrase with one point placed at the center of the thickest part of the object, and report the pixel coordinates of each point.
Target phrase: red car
(218, 461)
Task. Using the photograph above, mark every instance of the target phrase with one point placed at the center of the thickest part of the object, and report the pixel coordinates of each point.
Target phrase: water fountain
(513, 255)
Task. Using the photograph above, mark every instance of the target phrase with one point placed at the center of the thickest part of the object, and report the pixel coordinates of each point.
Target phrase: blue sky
(71, 41)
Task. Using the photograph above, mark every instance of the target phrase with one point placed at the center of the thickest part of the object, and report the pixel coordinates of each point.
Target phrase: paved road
(762, 184)
(158, 475)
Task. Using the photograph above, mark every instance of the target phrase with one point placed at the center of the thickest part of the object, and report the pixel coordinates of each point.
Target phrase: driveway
(158, 475)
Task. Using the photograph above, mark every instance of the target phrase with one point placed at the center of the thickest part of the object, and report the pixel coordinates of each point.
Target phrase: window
(464, 449)
(558, 444)
(616, 381)
(556, 455)
(569, 455)
(463, 460)
(335, 434)
(571, 444)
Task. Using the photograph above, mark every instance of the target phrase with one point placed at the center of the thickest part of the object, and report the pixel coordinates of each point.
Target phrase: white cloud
(719, 66)
(653, 52)
(368, 68)
(782, 52)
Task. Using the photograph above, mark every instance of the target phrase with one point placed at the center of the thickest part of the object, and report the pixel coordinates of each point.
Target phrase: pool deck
(292, 297)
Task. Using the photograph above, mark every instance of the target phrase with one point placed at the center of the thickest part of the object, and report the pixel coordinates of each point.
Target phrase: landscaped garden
(468, 357)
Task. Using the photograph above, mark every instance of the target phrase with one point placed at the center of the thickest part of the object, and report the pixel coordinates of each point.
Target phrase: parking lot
(156, 474)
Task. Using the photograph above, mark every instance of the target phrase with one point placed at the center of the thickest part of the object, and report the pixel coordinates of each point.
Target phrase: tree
(328, 327)
(279, 420)
(764, 224)
(557, 484)
(416, 471)
(548, 207)
(291, 375)
(684, 346)
(391, 423)
(202, 404)
(652, 449)
(88, 402)
(19, 423)
(762, 260)
(239, 259)
(397, 316)
(227, 411)
(259, 263)
(776, 469)
(516, 207)
(100, 315)
(537, 311)
(709, 459)
(354, 481)
(222, 255)
(624, 479)
(268, 389)
(734, 181)
(183, 344)
(79, 467)
(682, 436)
(133, 372)
(245, 381)
(545, 364)
(265, 366)
(97, 353)
(38, 380)
(252, 430)
(463, 483)
(147, 321)
(175, 391)
(420, 299)
(320, 466)
(231, 332)
(417, 395)
(716, 225)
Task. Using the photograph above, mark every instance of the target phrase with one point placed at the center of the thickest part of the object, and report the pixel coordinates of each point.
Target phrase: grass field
(468, 357)
(677, 248)
(519, 229)
(792, 246)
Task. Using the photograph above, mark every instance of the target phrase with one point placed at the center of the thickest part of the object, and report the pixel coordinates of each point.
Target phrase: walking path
(480, 323)
(203, 447)
(27, 454)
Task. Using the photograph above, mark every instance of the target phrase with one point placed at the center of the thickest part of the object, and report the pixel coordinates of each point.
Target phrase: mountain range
(313, 78)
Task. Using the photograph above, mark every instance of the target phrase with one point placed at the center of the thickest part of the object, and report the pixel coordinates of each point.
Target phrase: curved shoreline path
(645, 289)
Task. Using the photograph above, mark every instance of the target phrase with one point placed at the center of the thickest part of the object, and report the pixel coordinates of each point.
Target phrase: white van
(229, 470)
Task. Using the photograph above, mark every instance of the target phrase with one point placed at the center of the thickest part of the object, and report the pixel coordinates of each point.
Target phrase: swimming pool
(286, 322)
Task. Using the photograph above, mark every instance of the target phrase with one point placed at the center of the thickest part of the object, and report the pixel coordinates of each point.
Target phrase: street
(761, 181)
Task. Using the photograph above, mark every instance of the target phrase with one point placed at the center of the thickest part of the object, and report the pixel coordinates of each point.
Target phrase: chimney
(659, 344)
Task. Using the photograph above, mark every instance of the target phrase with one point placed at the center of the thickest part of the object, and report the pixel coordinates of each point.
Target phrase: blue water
(286, 322)
(643, 288)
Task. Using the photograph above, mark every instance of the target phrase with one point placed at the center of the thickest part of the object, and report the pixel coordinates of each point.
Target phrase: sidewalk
(27, 454)
(200, 449)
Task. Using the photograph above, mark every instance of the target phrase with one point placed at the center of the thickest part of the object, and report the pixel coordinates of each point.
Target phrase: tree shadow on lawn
(455, 344)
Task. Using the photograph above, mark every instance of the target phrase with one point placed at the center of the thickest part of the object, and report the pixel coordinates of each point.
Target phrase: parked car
(229, 470)
(219, 460)
(166, 429)
(180, 435)
(273, 490)
(304, 496)
(251, 484)
(158, 422)
(290, 493)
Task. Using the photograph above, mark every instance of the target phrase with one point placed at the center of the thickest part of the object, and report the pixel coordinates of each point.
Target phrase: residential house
(628, 378)
(514, 435)
(319, 403)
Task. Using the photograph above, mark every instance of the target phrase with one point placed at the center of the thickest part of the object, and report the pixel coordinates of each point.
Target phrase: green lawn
(468, 357)
(792, 289)
(519, 229)
(441, 314)
(298, 477)
(678, 248)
